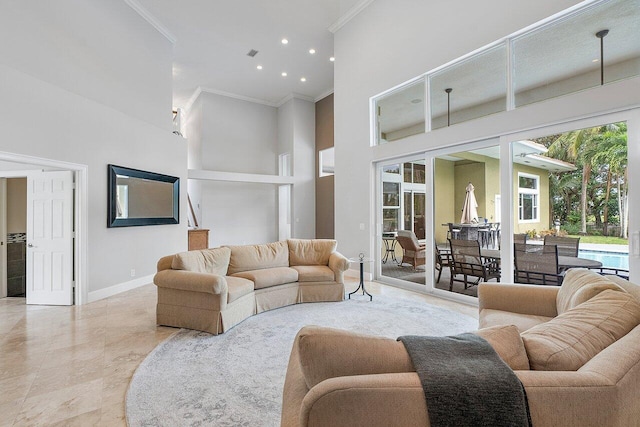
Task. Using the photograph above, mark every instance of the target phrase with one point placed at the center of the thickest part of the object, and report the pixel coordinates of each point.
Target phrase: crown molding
(294, 96)
(323, 95)
(148, 16)
(192, 99)
(200, 89)
(351, 13)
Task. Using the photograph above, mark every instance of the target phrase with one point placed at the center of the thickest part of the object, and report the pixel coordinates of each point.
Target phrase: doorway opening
(15, 167)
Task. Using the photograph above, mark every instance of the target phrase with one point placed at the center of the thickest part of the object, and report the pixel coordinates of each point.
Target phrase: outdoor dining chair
(467, 262)
(520, 238)
(567, 246)
(537, 264)
(412, 251)
(443, 260)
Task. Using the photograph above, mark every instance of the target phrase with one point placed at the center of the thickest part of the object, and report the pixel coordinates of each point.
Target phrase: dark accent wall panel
(325, 219)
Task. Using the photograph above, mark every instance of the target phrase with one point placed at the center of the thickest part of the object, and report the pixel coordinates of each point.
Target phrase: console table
(198, 238)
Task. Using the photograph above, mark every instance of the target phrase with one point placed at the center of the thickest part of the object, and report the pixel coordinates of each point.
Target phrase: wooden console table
(198, 238)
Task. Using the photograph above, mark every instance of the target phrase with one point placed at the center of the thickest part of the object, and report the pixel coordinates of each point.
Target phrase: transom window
(528, 197)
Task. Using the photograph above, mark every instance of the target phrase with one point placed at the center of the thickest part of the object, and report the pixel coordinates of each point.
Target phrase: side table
(390, 242)
(361, 259)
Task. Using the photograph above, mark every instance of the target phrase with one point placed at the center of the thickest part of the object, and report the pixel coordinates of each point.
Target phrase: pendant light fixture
(448, 90)
(601, 35)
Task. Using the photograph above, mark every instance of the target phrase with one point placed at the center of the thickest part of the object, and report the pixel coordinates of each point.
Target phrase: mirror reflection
(143, 198)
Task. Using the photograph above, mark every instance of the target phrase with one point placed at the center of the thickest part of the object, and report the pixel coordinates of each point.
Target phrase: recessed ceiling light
(303, 79)
(332, 59)
(285, 41)
(284, 74)
(312, 51)
(259, 67)
(595, 60)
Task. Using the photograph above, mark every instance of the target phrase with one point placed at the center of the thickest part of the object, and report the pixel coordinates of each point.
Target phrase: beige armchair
(412, 251)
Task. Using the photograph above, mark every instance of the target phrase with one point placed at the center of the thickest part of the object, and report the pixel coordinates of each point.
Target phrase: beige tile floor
(71, 366)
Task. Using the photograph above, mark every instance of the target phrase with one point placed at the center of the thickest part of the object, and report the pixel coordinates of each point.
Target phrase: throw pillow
(310, 251)
(574, 281)
(568, 341)
(507, 342)
(213, 261)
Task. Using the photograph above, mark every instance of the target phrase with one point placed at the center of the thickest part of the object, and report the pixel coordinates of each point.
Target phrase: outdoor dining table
(564, 262)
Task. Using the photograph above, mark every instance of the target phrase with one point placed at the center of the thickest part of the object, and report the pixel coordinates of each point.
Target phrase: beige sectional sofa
(214, 289)
(575, 348)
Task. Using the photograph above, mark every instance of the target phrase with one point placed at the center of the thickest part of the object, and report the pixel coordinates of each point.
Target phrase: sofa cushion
(580, 285)
(268, 277)
(628, 286)
(213, 261)
(310, 251)
(507, 342)
(492, 317)
(238, 287)
(314, 273)
(568, 341)
(257, 257)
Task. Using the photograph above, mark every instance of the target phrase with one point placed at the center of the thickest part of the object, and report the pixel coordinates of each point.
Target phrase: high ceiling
(213, 37)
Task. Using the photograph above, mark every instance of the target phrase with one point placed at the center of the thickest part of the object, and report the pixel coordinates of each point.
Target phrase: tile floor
(71, 366)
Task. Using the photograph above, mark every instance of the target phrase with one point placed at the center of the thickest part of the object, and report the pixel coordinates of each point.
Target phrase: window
(528, 195)
(414, 173)
(327, 162)
(390, 206)
(400, 113)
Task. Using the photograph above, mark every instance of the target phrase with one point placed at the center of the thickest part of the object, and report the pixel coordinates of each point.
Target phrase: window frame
(535, 192)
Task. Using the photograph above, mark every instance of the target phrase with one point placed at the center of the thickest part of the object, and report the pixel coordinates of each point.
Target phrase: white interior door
(50, 238)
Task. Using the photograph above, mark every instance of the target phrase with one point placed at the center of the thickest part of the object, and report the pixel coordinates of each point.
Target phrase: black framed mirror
(137, 197)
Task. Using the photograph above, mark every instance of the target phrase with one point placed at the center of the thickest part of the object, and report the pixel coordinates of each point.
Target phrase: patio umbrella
(470, 207)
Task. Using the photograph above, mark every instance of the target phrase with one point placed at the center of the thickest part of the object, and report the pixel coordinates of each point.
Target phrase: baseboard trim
(356, 273)
(119, 288)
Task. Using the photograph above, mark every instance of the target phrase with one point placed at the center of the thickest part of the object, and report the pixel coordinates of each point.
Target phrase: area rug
(236, 379)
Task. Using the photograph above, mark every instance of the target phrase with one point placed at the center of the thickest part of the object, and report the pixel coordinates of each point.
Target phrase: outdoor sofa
(575, 348)
(213, 290)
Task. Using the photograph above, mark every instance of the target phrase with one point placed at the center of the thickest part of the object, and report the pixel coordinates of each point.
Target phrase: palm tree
(612, 153)
(579, 147)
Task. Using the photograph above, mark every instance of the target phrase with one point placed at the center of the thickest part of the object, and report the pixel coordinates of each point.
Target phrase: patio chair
(443, 260)
(567, 246)
(412, 251)
(454, 232)
(484, 234)
(520, 238)
(537, 264)
(467, 262)
(495, 234)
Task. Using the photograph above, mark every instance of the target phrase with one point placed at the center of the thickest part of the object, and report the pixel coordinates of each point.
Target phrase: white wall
(193, 134)
(90, 83)
(100, 49)
(230, 135)
(296, 135)
(238, 136)
(374, 52)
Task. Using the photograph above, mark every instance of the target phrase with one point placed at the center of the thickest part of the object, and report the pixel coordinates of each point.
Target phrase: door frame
(80, 220)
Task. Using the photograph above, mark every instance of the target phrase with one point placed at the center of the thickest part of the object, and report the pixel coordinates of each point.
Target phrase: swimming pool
(608, 259)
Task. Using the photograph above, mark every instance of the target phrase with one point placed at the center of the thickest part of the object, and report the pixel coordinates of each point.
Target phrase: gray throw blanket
(466, 383)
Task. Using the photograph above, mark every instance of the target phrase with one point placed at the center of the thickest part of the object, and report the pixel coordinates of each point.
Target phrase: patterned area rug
(236, 379)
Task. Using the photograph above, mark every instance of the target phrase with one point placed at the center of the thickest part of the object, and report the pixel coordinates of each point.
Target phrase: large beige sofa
(578, 357)
(214, 289)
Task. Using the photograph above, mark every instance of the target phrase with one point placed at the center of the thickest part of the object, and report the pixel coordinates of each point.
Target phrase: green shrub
(571, 228)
